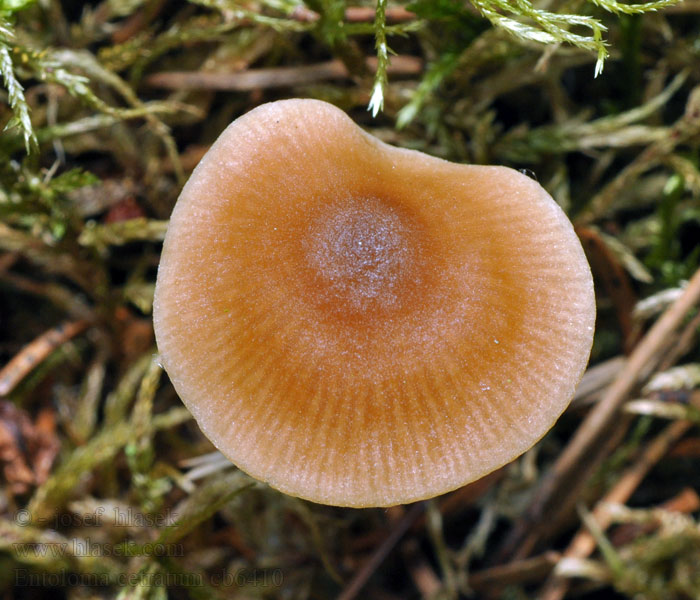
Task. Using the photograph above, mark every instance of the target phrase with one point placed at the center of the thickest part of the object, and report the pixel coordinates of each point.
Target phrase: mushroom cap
(362, 325)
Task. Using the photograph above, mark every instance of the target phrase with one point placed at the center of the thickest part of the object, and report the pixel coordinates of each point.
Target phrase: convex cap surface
(363, 325)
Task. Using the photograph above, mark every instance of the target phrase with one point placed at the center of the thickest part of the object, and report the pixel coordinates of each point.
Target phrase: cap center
(361, 254)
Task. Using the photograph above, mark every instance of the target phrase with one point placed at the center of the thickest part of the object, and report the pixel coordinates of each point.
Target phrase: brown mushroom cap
(362, 325)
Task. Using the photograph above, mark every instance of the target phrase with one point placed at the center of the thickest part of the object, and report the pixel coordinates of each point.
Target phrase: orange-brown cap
(363, 325)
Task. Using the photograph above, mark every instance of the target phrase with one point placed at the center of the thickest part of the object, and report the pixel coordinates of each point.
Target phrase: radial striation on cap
(363, 325)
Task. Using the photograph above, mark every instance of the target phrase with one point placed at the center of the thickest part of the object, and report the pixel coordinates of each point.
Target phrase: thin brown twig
(421, 571)
(566, 473)
(137, 22)
(528, 570)
(367, 14)
(570, 497)
(584, 543)
(382, 551)
(356, 14)
(36, 351)
(254, 79)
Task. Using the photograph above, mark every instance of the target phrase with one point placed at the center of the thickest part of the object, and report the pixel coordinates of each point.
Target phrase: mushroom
(363, 325)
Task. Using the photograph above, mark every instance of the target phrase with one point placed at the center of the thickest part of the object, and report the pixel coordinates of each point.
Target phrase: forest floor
(109, 489)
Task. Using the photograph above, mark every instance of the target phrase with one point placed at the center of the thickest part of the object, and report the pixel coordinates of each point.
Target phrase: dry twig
(584, 543)
(569, 473)
(35, 352)
(276, 77)
(382, 551)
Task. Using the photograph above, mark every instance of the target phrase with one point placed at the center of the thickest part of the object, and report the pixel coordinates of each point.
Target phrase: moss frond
(15, 91)
(376, 102)
(526, 22)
